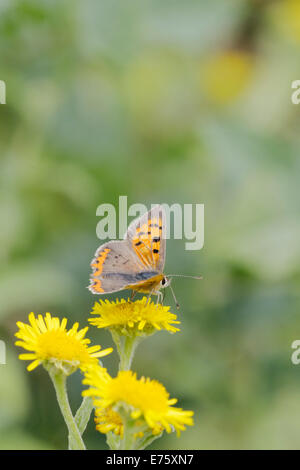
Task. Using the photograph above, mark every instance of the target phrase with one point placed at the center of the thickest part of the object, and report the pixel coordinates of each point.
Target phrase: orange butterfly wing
(138, 260)
(147, 235)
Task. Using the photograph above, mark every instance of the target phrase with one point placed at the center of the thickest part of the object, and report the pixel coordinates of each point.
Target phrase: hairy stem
(59, 382)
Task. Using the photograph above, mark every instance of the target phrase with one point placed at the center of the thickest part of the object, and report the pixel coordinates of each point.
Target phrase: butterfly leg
(159, 296)
(163, 294)
(149, 296)
(133, 294)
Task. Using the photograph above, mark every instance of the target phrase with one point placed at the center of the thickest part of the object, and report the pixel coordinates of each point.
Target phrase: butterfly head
(165, 282)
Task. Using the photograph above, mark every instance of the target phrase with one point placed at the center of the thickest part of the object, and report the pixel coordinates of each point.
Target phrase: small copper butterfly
(137, 262)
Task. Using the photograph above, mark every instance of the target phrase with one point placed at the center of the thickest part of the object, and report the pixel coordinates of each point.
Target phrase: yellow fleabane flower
(50, 342)
(146, 400)
(139, 317)
(107, 420)
(226, 75)
(286, 17)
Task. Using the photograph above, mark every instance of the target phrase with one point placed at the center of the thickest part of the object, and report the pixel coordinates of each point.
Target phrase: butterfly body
(152, 285)
(137, 262)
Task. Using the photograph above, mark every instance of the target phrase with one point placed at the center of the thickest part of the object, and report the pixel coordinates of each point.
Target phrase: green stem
(82, 417)
(126, 441)
(129, 345)
(126, 346)
(113, 441)
(83, 414)
(59, 382)
(146, 440)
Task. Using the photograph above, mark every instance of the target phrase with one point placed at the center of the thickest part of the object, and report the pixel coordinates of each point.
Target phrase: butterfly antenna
(184, 275)
(174, 297)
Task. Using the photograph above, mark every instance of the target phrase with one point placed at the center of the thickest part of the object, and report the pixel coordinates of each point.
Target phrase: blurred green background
(162, 101)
